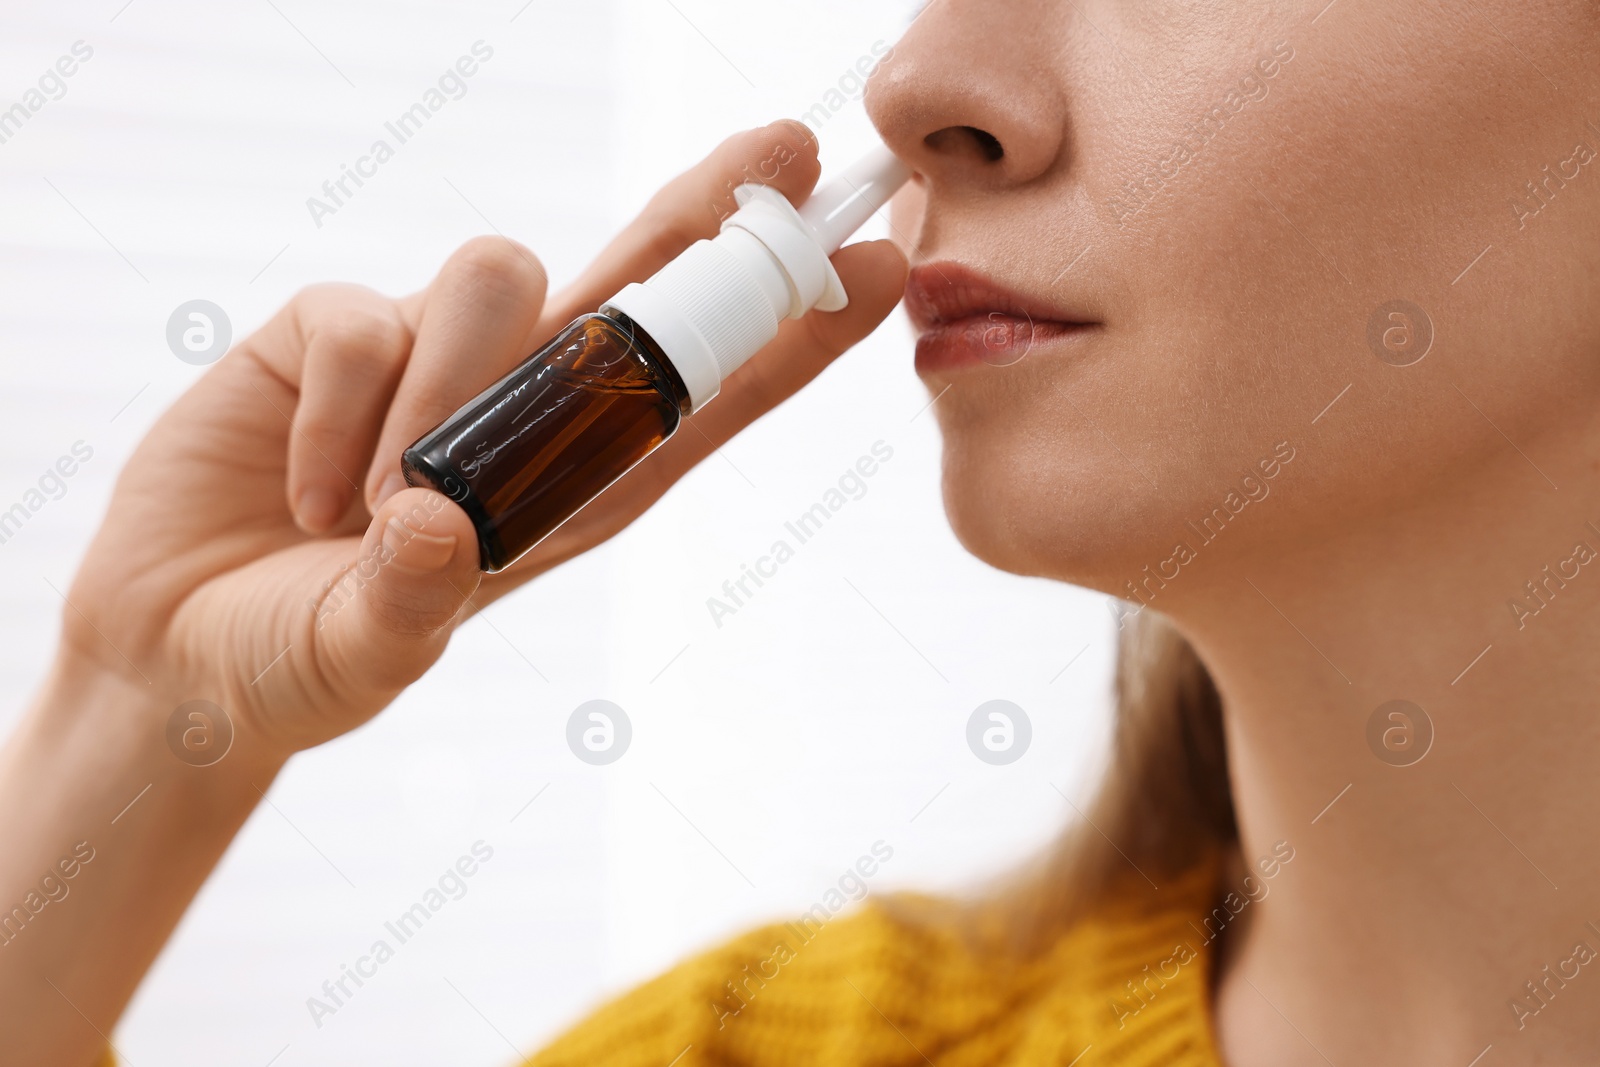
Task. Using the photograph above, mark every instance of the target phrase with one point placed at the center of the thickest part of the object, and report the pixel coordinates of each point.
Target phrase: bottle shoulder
(636, 340)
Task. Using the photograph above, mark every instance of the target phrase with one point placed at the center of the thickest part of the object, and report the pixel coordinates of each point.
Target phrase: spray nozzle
(722, 300)
(840, 208)
(835, 210)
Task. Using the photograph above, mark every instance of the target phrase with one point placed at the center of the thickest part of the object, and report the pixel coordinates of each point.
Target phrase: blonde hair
(1165, 804)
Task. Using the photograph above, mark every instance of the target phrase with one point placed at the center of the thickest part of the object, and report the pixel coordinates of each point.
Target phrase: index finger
(687, 209)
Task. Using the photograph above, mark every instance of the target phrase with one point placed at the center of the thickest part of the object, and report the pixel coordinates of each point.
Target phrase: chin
(1030, 488)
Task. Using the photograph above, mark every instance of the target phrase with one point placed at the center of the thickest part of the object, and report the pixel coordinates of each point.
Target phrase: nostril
(987, 143)
(963, 139)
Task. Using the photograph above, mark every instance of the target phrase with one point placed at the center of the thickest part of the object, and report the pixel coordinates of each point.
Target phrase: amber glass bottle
(525, 454)
(549, 437)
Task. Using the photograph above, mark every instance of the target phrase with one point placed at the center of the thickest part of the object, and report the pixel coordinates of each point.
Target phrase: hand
(261, 551)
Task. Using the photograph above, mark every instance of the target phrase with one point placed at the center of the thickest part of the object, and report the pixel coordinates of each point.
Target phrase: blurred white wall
(768, 753)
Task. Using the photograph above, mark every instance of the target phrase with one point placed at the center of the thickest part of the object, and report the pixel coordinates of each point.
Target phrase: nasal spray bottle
(527, 453)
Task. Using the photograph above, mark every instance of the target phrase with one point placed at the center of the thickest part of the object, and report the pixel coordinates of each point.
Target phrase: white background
(767, 754)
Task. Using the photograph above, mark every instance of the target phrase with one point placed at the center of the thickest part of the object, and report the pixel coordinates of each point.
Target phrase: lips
(963, 320)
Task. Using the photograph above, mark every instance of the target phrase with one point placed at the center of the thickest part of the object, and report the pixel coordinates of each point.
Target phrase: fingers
(690, 207)
(475, 325)
(418, 567)
(483, 314)
(356, 345)
(421, 359)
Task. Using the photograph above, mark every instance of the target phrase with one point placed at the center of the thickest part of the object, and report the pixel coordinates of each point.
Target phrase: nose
(969, 97)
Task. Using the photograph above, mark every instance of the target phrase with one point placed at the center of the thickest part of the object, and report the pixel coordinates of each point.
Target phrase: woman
(1280, 322)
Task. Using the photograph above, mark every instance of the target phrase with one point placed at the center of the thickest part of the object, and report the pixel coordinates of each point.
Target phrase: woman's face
(1221, 217)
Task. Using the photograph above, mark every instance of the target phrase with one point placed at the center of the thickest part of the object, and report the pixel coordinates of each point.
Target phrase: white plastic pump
(722, 300)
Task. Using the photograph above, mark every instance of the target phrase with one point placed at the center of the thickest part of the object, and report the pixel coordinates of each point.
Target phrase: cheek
(1245, 302)
(1376, 170)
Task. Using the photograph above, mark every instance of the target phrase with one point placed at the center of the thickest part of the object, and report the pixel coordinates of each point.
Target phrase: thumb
(418, 566)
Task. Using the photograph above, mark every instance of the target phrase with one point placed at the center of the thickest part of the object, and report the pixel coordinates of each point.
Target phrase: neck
(1448, 888)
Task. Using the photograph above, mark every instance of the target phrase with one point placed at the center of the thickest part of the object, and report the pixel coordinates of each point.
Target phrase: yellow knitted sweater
(1127, 987)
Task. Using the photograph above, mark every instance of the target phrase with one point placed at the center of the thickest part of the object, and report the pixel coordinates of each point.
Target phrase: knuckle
(322, 447)
(693, 205)
(498, 265)
(309, 298)
(298, 317)
(352, 320)
(736, 152)
(784, 153)
(670, 232)
(369, 333)
(406, 616)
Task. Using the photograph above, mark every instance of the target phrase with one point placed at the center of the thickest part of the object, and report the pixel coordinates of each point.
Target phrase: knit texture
(1129, 986)
(1126, 987)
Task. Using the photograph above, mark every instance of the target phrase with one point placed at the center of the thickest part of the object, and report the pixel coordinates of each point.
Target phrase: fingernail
(417, 553)
(318, 509)
(392, 484)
